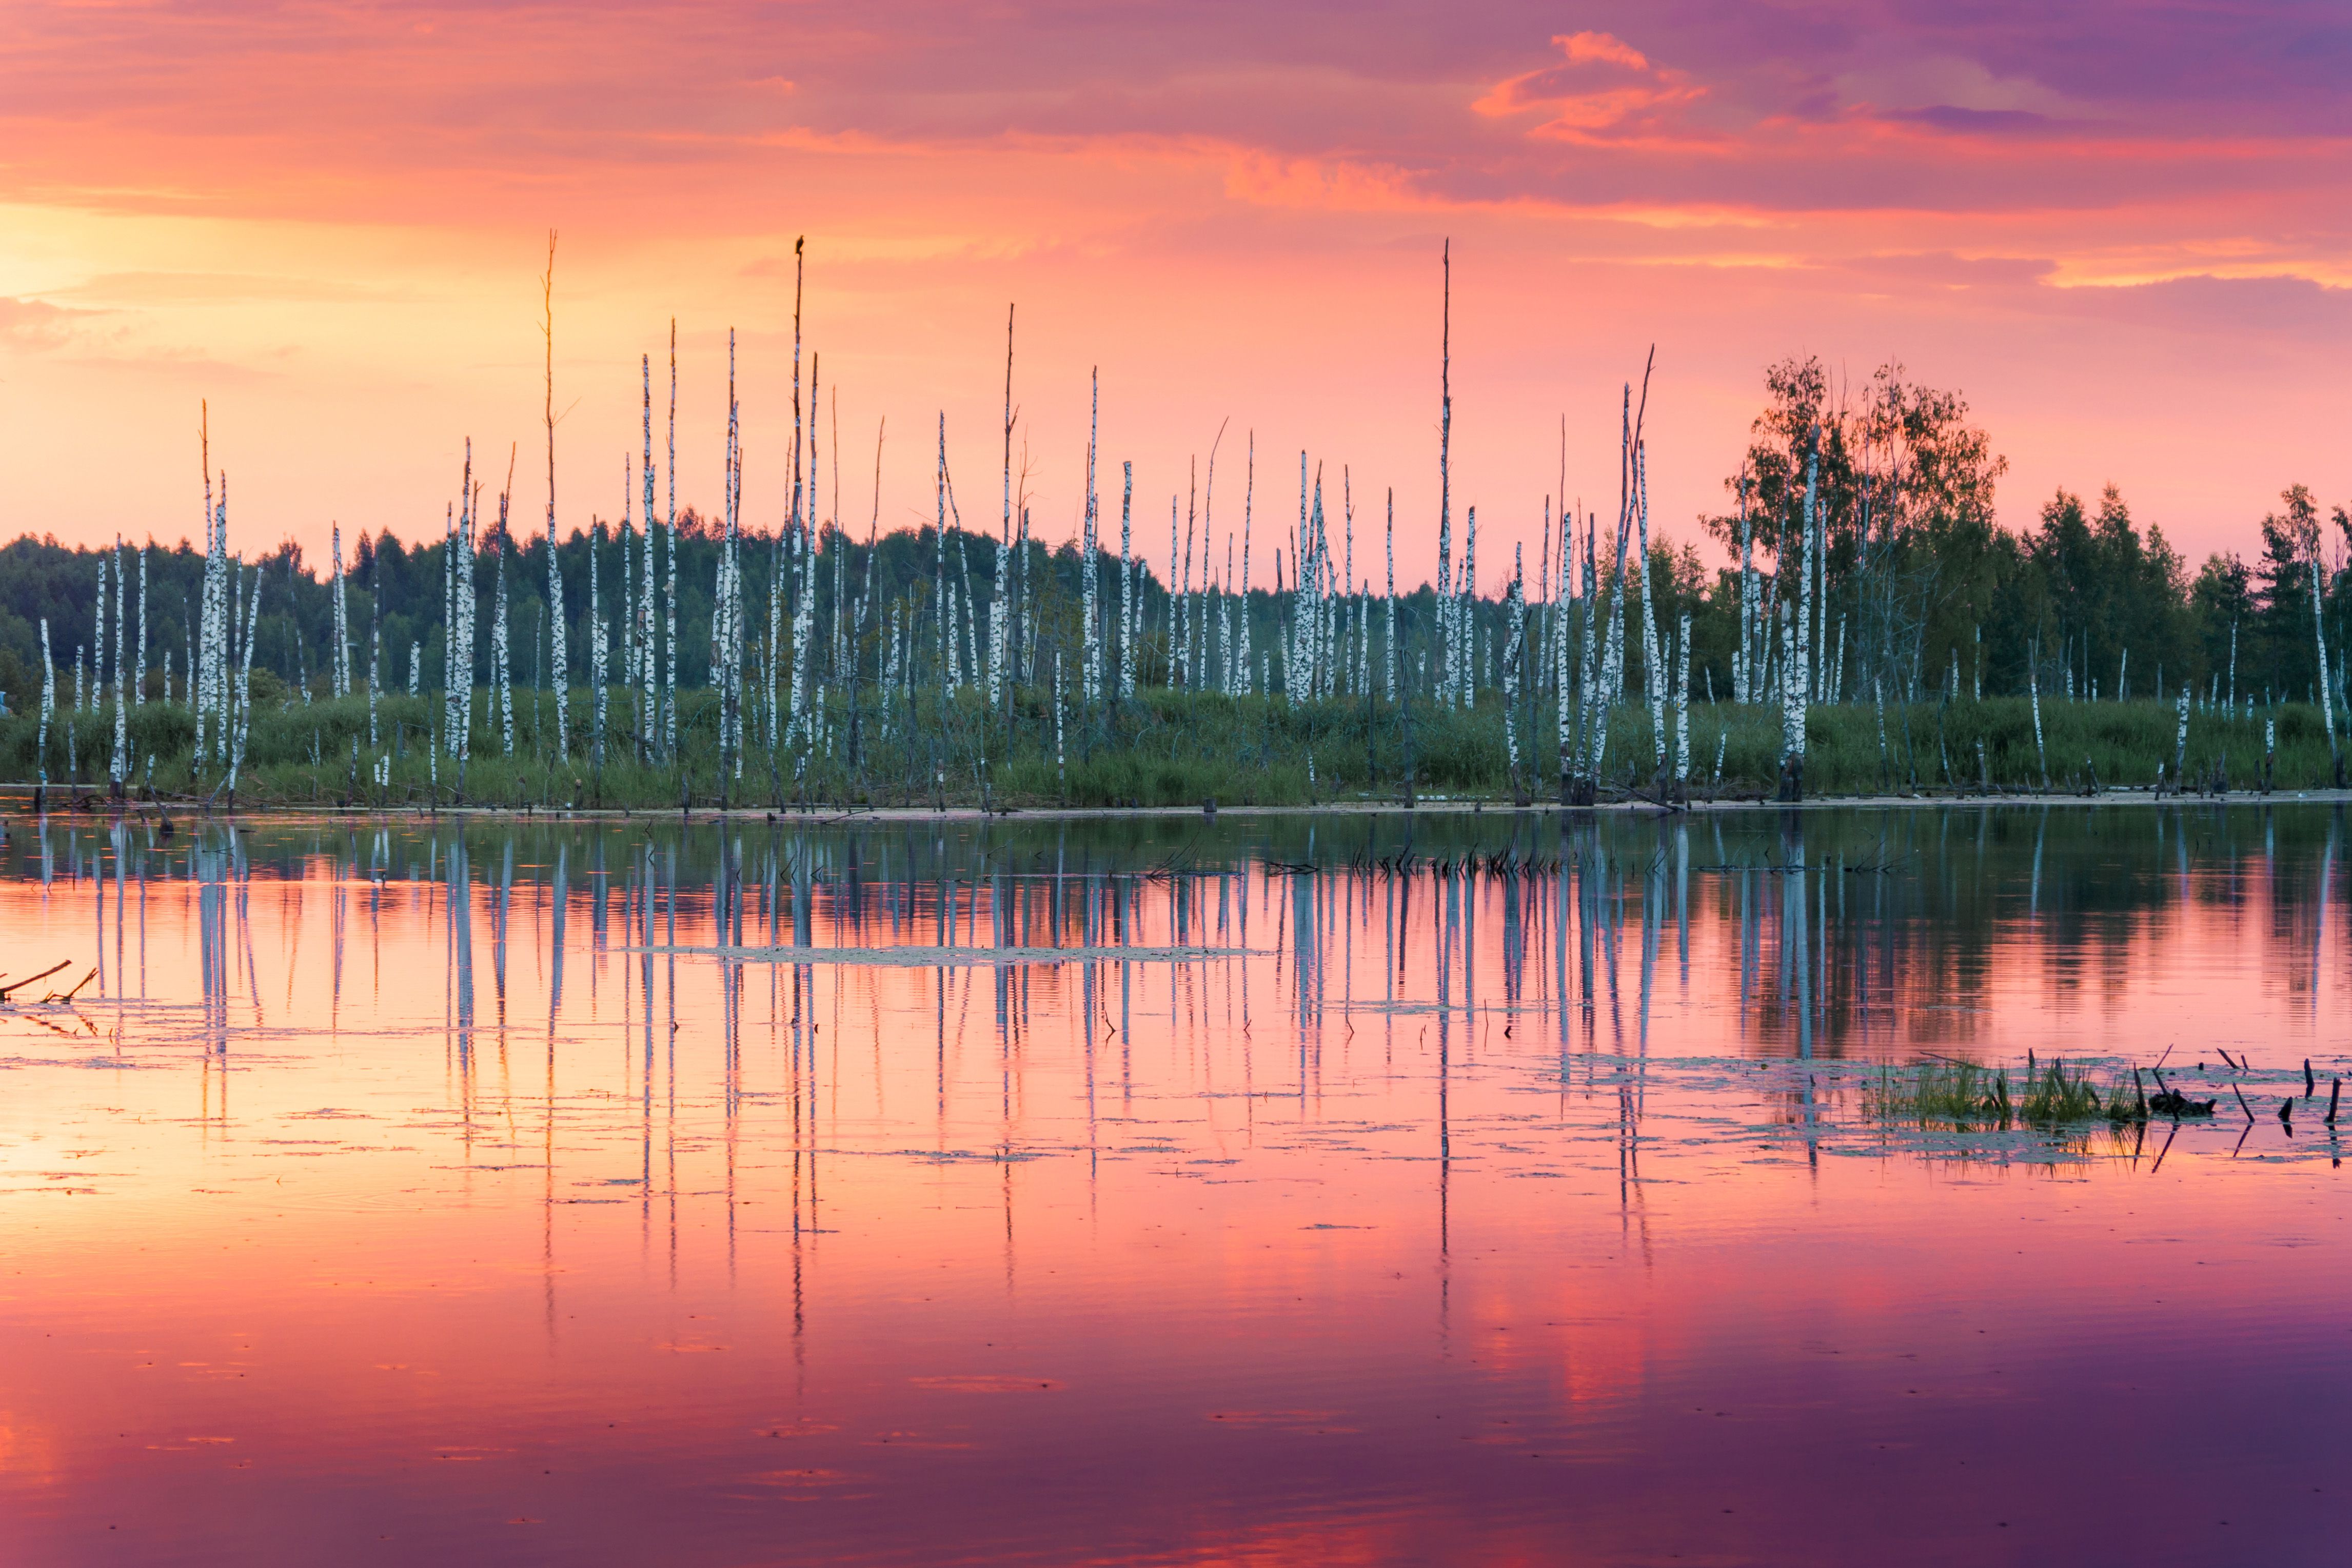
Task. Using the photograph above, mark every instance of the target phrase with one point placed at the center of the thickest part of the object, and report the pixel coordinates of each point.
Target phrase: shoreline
(15, 800)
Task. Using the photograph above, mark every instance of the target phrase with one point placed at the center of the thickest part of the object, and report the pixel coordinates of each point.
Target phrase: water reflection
(1174, 1188)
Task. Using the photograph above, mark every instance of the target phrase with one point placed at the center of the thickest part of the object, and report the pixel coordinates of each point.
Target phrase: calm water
(1343, 1189)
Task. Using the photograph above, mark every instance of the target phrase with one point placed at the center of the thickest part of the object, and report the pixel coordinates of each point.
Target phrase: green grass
(1967, 1096)
(1161, 748)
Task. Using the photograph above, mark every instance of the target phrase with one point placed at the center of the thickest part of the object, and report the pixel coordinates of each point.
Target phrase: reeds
(1967, 1096)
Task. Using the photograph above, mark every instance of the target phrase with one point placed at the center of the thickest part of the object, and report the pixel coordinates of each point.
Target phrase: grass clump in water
(1963, 1094)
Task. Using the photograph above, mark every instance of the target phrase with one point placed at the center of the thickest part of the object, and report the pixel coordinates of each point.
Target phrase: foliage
(1161, 748)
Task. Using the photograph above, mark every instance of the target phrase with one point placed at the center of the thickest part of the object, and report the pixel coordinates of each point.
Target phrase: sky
(2120, 231)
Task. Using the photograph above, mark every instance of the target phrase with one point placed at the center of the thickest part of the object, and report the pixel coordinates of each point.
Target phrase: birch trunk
(1656, 680)
(1803, 670)
(48, 707)
(1468, 623)
(1249, 504)
(342, 667)
(558, 669)
(1389, 659)
(597, 643)
(1682, 702)
(669, 609)
(501, 644)
(2319, 638)
(1127, 580)
(1742, 676)
(1090, 666)
(1444, 474)
(1514, 652)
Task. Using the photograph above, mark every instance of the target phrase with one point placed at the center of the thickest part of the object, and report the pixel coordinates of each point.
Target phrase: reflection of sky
(1362, 1245)
(2118, 231)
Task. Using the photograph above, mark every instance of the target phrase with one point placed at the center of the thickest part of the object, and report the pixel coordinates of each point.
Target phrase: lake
(1342, 1187)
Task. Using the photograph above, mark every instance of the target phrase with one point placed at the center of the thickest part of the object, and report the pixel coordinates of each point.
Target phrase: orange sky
(2119, 231)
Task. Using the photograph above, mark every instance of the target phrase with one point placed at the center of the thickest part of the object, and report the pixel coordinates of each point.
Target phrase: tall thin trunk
(139, 668)
(998, 612)
(2319, 639)
(375, 659)
(647, 674)
(669, 610)
(48, 706)
(1126, 579)
(501, 642)
(1513, 649)
(1249, 506)
(558, 663)
(1390, 604)
(597, 641)
(1682, 701)
(1803, 674)
(342, 666)
(1090, 667)
(1742, 673)
(1445, 470)
(1656, 679)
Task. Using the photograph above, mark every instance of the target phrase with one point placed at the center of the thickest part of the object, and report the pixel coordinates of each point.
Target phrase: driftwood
(20, 985)
(2170, 1101)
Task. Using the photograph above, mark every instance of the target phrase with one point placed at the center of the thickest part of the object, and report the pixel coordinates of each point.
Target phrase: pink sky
(2120, 231)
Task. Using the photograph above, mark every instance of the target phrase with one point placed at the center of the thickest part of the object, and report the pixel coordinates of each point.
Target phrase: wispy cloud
(37, 324)
(213, 289)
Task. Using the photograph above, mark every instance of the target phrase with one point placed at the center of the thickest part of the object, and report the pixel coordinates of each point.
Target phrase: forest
(1859, 523)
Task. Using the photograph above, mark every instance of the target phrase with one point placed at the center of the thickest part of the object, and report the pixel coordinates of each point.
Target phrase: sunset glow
(2120, 231)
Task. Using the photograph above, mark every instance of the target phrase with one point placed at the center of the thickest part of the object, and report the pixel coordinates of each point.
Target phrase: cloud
(1604, 88)
(1918, 270)
(2204, 304)
(35, 325)
(1976, 122)
(213, 288)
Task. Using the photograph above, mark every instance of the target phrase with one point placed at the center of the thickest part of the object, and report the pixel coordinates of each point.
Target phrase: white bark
(1803, 670)
(375, 677)
(1446, 642)
(1467, 621)
(1090, 666)
(120, 770)
(1742, 675)
(2034, 696)
(1514, 655)
(1792, 690)
(645, 674)
(1127, 580)
(597, 641)
(245, 683)
(2319, 637)
(139, 669)
(468, 526)
(669, 674)
(501, 639)
(1565, 597)
(339, 670)
(1656, 679)
(1443, 692)
(1682, 701)
(2181, 744)
(48, 703)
